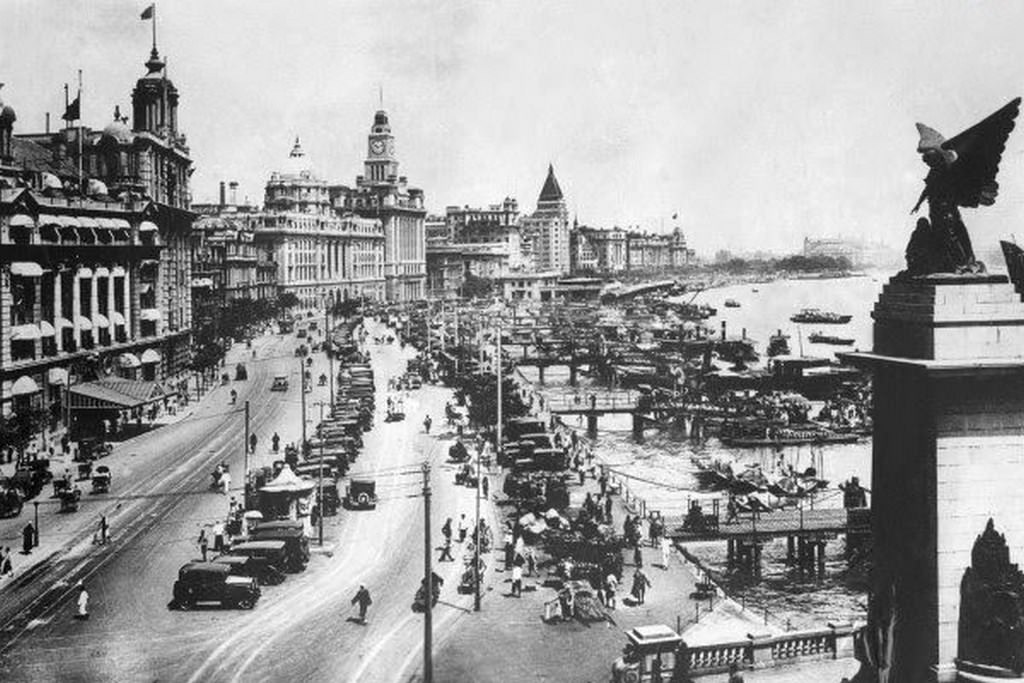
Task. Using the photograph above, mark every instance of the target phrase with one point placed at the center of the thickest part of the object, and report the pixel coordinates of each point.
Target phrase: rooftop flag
(149, 12)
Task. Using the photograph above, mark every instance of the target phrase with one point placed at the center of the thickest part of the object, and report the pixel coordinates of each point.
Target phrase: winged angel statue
(962, 172)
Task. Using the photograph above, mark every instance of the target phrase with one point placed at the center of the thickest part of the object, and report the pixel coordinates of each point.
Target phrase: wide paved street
(300, 630)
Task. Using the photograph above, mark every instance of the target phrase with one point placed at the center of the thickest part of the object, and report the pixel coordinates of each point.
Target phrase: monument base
(969, 672)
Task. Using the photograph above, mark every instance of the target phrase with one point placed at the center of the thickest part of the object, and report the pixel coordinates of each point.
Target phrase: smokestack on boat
(723, 330)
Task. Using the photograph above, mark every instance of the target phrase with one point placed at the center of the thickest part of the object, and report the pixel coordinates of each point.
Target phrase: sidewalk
(508, 641)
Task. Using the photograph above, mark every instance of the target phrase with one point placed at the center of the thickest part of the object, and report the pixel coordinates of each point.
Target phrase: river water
(660, 470)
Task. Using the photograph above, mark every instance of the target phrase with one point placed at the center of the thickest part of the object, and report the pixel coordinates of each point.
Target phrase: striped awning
(23, 386)
(147, 226)
(61, 323)
(84, 323)
(150, 356)
(20, 220)
(27, 332)
(46, 329)
(116, 318)
(100, 321)
(129, 360)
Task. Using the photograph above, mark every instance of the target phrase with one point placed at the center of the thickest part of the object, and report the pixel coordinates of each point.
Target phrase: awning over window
(46, 329)
(88, 222)
(24, 385)
(20, 220)
(117, 271)
(26, 269)
(61, 323)
(202, 282)
(149, 314)
(49, 219)
(84, 323)
(68, 221)
(28, 332)
(106, 223)
(87, 234)
(115, 393)
(57, 376)
(117, 318)
(121, 224)
(129, 360)
(84, 272)
(150, 356)
(101, 272)
(147, 226)
(100, 321)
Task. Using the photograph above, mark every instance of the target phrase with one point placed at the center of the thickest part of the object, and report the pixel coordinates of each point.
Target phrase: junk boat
(819, 338)
(816, 315)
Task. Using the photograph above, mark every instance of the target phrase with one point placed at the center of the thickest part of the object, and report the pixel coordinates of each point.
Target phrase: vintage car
(255, 566)
(296, 545)
(210, 582)
(361, 494)
(280, 383)
(101, 480)
(271, 552)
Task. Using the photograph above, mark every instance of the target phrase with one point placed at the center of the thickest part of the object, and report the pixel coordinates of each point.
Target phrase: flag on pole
(149, 12)
(73, 110)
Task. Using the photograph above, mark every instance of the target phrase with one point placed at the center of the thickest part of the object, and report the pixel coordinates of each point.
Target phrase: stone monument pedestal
(948, 368)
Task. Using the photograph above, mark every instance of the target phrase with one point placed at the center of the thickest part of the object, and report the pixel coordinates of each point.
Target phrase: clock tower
(381, 164)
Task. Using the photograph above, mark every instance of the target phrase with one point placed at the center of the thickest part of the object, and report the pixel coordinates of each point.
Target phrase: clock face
(377, 147)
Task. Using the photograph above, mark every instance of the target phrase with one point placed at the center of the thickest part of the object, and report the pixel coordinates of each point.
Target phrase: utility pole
(302, 390)
(498, 449)
(245, 447)
(320, 483)
(428, 583)
(479, 538)
(458, 346)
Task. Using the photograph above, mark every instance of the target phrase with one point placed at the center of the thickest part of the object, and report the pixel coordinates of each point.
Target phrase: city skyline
(754, 125)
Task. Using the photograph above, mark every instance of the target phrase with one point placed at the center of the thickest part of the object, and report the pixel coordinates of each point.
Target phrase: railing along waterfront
(617, 400)
(763, 651)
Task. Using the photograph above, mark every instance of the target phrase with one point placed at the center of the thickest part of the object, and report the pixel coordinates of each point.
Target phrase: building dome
(297, 164)
(119, 132)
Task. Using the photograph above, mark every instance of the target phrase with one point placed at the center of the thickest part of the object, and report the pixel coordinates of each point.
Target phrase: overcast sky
(758, 123)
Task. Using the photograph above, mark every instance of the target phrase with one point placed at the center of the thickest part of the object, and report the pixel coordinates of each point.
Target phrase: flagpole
(154, 27)
(66, 123)
(81, 188)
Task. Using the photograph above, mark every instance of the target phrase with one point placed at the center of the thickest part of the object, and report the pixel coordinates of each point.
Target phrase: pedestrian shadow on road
(454, 606)
(357, 620)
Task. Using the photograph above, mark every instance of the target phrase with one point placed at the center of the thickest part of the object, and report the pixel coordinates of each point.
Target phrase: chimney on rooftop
(222, 194)
(234, 192)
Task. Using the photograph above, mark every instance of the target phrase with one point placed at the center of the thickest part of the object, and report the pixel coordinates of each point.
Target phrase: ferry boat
(778, 344)
(819, 338)
(732, 303)
(816, 315)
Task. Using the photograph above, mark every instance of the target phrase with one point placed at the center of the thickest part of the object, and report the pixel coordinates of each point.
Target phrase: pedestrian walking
(218, 537)
(252, 442)
(517, 580)
(608, 510)
(603, 482)
(225, 482)
(28, 539)
(5, 562)
(204, 543)
(83, 602)
(463, 528)
(364, 601)
(531, 562)
(640, 585)
(638, 556)
(446, 529)
(485, 487)
(611, 583)
(446, 551)
(426, 424)
(666, 549)
(583, 474)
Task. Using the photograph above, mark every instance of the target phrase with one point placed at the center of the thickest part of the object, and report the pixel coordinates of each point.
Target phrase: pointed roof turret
(551, 192)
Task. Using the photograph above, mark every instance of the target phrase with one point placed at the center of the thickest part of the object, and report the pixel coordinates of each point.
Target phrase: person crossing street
(364, 601)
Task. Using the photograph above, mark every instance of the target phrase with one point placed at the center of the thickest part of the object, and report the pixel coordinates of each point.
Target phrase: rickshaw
(240, 372)
(10, 502)
(101, 480)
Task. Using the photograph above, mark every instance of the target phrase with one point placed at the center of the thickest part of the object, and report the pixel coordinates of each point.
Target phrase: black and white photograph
(501, 341)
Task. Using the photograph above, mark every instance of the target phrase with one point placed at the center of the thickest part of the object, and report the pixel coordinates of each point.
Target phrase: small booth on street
(114, 405)
(288, 496)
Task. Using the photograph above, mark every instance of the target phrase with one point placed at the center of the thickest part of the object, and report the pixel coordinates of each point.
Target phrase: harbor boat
(789, 437)
(732, 303)
(816, 315)
(778, 344)
(819, 338)
(797, 485)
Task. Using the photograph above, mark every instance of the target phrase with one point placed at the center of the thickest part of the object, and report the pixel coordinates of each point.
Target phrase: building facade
(383, 195)
(547, 228)
(323, 252)
(94, 264)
